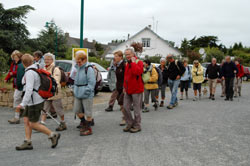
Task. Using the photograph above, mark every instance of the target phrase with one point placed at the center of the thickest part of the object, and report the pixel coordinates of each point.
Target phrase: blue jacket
(84, 83)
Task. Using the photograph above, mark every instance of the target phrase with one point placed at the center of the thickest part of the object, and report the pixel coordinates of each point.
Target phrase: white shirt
(31, 81)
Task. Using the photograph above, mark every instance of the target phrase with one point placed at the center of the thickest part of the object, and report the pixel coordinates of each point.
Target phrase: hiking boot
(134, 130)
(195, 99)
(54, 139)
(92, 122)
(162, 104)
(176, 104)
(109, 109)
(80, 125)
(212, 97)
(61, 127)
(145, 110)
(86, 131)
(127, 129)
(222, 96)
(231, 99)
(14, 121)
(155, 106)
(226, 99)
(170, 107)
(25, 146)
(123, 122)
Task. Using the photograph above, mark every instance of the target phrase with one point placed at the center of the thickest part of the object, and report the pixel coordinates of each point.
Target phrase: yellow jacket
(198, 74)
(57, 76)
(152, 83)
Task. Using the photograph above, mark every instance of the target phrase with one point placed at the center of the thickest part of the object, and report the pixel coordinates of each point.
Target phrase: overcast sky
(114, 19)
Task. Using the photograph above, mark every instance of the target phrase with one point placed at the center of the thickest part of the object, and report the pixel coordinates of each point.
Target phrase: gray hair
(162, 60)
(130, 49)
(50, 55)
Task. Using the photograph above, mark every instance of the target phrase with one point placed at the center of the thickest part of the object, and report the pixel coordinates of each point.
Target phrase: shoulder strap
(53, 69)
(86, 68)
(176, 63)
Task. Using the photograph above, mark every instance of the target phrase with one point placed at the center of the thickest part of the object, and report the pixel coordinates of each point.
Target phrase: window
(146, 42)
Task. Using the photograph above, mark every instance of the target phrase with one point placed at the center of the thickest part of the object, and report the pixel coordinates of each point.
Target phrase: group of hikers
(38, 82)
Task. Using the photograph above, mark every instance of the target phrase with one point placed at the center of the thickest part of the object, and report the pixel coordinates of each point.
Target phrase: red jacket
(241, 72)
(133, 83)
(13, 69)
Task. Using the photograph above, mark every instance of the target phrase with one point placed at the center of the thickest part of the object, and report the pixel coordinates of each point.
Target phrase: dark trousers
(184, 85)
(229, 87)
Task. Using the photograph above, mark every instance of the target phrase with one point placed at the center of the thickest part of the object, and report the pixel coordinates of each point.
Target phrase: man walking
(175, 70)
(133, 91)
(229, 70)
(212, 74)
(33, 104)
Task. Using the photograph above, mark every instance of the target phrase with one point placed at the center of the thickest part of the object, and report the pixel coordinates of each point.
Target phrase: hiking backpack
(48, 87)
(160, 77)
(64, 78)
(98, 76)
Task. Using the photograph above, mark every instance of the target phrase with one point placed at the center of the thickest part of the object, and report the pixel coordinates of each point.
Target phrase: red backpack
(48, 87)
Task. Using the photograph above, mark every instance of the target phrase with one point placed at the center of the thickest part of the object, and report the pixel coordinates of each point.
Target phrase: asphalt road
(202, 133)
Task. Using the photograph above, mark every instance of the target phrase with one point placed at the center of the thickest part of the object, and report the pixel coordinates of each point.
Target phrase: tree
(47, 39)
(185, 47)
(214, 53)
(204, 41)
(13, 30)
(4, 58)
(193, 55)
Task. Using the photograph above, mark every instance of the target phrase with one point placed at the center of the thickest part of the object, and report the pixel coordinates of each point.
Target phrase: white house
(153, 45)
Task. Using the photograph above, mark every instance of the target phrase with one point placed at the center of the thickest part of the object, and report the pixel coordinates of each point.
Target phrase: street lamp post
(56, 41)
(82, 23)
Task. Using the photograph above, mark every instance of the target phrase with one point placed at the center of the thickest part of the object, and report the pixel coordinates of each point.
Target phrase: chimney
(67, 35)
(94, 41)
(149, 26)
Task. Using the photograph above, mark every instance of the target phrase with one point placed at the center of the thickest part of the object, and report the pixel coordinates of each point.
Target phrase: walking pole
(51, 117)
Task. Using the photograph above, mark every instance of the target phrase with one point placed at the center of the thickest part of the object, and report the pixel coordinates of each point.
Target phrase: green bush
(101, 62)
(214, 53)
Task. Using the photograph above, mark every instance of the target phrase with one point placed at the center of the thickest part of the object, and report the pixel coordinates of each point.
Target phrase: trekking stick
(51, 117)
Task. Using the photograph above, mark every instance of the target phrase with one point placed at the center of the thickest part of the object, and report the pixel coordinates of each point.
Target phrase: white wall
(157, 45)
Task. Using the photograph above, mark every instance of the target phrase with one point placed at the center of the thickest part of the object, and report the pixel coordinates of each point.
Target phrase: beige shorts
(83, 106)
(54, 106)
(17, 98)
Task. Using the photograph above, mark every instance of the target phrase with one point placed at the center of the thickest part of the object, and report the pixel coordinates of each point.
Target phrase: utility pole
(82, 24)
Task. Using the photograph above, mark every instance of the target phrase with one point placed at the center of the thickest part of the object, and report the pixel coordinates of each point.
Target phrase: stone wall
(6, 98)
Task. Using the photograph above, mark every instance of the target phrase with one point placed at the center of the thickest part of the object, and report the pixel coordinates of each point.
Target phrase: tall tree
(47, 41)
(13, 30)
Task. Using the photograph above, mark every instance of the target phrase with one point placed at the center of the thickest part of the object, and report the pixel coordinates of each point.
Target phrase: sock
(42, 122)
(52, 135)
(29, 141)
(83, 119)
(17, 115)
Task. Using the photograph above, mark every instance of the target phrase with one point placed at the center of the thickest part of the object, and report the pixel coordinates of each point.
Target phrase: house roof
(86, 44)
(110, 49)
(75, 41)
